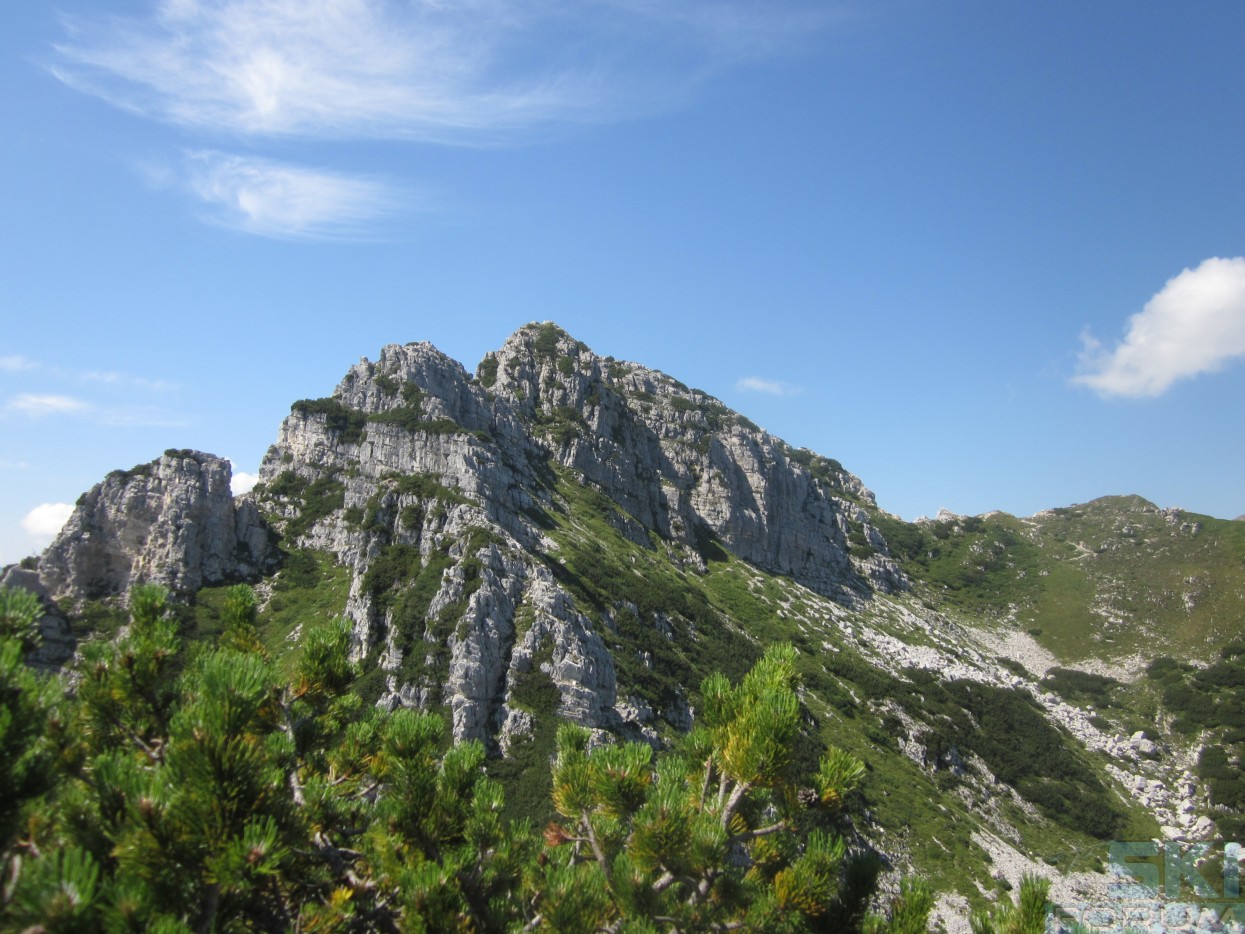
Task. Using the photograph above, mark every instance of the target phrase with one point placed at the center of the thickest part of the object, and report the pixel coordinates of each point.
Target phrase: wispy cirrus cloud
(38, 405)
(123, 415)
(139, 416)
(285, 201)
(1195, 324)
(319, 68)
(104, 397)
(770, 387)
(15, 363)
(112, 378)
(468, 72)
(423, 69)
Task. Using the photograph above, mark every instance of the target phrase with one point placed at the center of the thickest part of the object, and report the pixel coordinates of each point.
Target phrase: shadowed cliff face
(172, 521)
(682, 464)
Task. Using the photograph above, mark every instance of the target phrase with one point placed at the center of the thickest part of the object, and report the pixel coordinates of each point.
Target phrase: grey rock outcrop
(683, 465)
(415, 460)
(172, 522)
(564, 533)
(438, 489)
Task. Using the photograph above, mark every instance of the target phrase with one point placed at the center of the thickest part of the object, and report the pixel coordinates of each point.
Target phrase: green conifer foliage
(19, 614)
(1026, 916)
(210, 791)
(714, 835)
(128, 688)
(31, 733)
(238, 614)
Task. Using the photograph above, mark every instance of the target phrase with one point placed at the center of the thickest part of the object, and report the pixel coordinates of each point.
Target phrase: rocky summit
(172, 522)
(412, 459)
(565, 536)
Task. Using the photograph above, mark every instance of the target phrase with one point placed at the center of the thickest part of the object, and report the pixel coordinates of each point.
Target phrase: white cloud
(419, 69)
(36, 405)
(44, 521)
(111, 378)
(1195, 324)
(317, 67)
(466, 72)
(243, 482)
(285, 201)
(768, 386)
(17, 364)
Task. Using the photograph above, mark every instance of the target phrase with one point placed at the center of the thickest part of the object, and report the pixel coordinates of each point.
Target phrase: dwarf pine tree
(714, 835)
(1027, 915)
(210, 789)
(30, 732)
(172, 796)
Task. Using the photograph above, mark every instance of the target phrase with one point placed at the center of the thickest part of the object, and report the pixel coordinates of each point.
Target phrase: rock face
(413, 462)
(682, 464)
(172, 521)
(450, 496)
(566, 533)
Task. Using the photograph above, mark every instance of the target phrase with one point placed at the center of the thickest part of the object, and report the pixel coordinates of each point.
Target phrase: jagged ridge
(413, 465)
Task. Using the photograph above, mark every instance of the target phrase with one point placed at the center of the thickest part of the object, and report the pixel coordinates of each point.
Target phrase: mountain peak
(173, 521)
(565, 535)
(486, 487)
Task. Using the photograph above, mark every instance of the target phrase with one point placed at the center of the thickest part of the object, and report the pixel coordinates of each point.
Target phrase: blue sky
(987, 255)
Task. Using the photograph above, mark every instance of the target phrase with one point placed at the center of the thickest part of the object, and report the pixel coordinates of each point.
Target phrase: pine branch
(746, 835)
(296, 787)
(596, 845)
(736, 796)
(154, 753)
(704, 785)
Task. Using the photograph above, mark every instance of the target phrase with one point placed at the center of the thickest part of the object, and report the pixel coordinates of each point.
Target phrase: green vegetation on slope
(213, 793)
(347, 423)
(1209, 704)
(1108, 578)
(663, 619)
(310, 590)
(658, 620)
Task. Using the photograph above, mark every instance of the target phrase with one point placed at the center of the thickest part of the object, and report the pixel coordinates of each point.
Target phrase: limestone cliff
(681, 463)
(172, 521)
(458, 502)
(443, 492)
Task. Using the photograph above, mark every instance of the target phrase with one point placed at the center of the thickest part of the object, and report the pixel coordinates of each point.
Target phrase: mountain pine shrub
(208, 788)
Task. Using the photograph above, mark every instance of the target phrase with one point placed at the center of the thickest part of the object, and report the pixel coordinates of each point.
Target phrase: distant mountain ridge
(565, 535)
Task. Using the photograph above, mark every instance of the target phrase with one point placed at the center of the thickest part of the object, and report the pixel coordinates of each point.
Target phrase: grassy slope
(720, 619)
(1107, 579)
(310, 589)
(1116, 580)
(669, 624)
